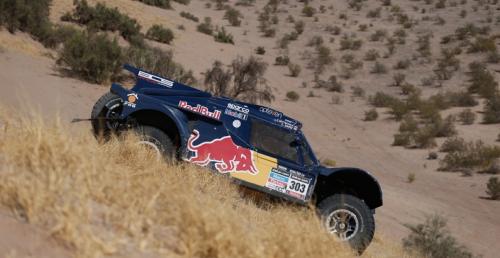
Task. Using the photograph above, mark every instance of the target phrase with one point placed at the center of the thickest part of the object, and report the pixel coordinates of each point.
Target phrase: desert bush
(461, 99)
(53, 36)
(402, 139)
(334, 30)
(160, 34)
(371, 115)
(315, 41)
(432, 239)
(233, 16)
(481, 81)
(475, 155)
(294, 69)
(260, 50)
(158, 62)
(492, 110)
(323, 58)
(467, 117)
(453, 144)
(432, 155)
(378, 68)
(424, 45)
(308, 11)
(358, 92)
(282, 60)
(244, 81)
(299, 26)
(189, 16)
(292, 96)
(407, 88)
(350, 43)
(372, 55)
(92, 56)
(470, 30)
(402, 64)
(223, 36)
(482, 44)
(332, 84)
(184, 2)
(398, 79)
(206, 27)
(104, 18)
(375, 13)
(411, 178)
(378, 35)
(493, 188)
(165, 4)
(381, 99)
(27, 16)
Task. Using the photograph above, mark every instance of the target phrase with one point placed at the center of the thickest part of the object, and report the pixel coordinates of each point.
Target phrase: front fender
(358, 181)
(145, 102)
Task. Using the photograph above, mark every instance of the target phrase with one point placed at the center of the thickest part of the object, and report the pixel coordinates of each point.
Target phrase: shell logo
(132, 98)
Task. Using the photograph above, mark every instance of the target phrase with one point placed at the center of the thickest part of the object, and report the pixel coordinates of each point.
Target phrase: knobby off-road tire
(349, 218)
(108, 107)
(157, 140)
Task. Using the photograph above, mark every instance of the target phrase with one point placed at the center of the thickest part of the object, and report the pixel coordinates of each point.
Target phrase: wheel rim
(151, 146)
(113, 114)
(342, 223)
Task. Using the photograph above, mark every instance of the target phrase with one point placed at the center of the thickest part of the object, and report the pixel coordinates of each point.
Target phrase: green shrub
(432, 239)
(299, 26)
(358, 92)
(315, 41)
(381, 99)
(282, 60)
(206, 27)
(375, 13)
(467, 117)
(378, 35)
(294, 69)
(189, 16)
(399, 79)
(453, 144)
(475, 155)
(398, 109)
(482, 45)
(461, 99)
(332, 84)
(160, 34)
(27, 16)
(411, 177)
(104, 18)
(308, 11)
(260, 50)
(165, 4)
(481, 81)
(371, 55)
(91, 56)
(292, 96)
(379, 68)
(402, 64)
(493, 188)
(432, 155)
(350, 43)
(184, 2)
(233, 16)
(371, 115)
(324, 57)
(492, 110)
(159, 62)
(402, 139)
(223, 36)
(244, 81)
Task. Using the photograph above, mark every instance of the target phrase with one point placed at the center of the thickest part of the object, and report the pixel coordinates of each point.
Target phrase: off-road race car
(258, 147)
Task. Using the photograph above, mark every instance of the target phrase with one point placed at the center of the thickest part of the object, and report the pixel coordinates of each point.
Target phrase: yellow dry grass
(21, 42)
(117, 199)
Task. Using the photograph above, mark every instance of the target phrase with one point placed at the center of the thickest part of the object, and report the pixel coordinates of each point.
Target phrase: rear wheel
(349, 218)
(105, 114)
(157, 141)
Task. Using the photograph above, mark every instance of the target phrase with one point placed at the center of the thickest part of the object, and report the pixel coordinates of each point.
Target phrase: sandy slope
(335, 131)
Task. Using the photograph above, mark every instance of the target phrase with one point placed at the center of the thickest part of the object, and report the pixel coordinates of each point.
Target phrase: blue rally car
(260, 148)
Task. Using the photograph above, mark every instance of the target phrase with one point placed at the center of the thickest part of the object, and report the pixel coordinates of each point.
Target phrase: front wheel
(348, 218)
(157, 141)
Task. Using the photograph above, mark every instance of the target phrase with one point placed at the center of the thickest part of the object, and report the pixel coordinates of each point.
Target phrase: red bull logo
(228, 156)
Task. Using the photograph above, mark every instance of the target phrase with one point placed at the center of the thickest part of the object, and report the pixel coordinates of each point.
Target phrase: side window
(306, 155)
(273, 140)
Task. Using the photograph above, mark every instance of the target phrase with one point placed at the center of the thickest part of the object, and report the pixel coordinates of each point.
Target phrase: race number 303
(297, 187)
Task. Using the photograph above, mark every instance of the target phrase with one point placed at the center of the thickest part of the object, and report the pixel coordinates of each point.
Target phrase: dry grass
(118, 199)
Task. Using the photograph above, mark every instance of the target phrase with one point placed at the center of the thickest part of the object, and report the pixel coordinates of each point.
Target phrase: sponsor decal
(156, 79)
(227, 156)
(271, 112)
(289, 182)
(131, 100)
(200, 109)
(235, 114)
(236, 123)
(287, 123)
(238, 108)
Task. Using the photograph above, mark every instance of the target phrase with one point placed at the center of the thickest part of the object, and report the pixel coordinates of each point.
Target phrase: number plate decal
(289, 182)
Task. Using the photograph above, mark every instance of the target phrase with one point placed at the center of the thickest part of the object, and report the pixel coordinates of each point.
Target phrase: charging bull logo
(228, 156)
